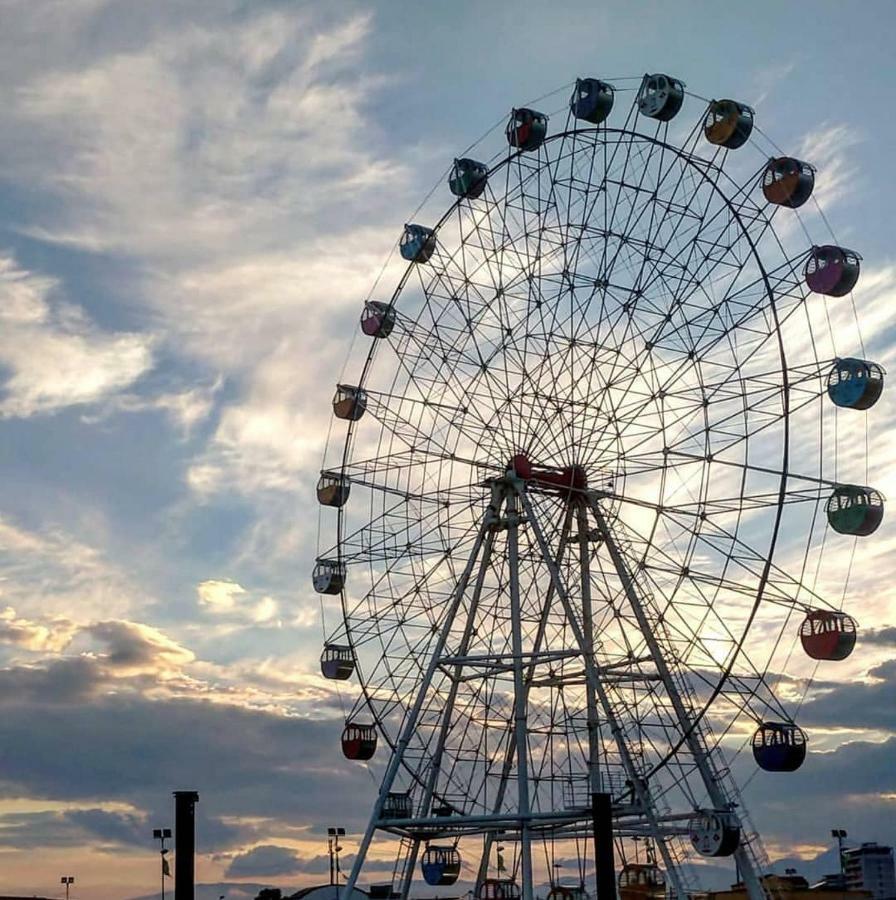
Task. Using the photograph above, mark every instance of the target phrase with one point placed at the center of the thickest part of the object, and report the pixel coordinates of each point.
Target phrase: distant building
(10, 897)
(870, 867)
(791, 886)
(325, 892)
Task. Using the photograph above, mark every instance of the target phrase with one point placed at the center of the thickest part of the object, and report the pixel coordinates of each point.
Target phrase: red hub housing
(549, 478)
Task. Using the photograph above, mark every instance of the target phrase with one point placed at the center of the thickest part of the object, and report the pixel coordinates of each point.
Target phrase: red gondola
(828, 634)
(526, 129)
(358, 741)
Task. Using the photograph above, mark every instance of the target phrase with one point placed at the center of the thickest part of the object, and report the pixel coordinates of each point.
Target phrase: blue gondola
(592, 100)
(418, 243)
(779, 746)
(440, 865)
(855, 383)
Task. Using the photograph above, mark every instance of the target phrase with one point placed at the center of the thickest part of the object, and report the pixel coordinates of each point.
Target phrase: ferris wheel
(589, 498)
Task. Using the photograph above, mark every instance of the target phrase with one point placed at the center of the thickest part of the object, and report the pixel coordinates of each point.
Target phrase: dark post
(184, 843)
(602, 822)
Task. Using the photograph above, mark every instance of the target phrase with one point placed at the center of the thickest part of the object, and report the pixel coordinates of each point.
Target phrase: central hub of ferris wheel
(551, 478)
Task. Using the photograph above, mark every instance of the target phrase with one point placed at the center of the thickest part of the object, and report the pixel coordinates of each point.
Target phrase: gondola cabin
(828, 634)
(561, 892)
(398, 805)
(383, 891)
(728, 123)
(660, 97)
(440, 865)
(714, 833)
(855, 383)
(358, 741)
(831, 270)
(418, 243)
(779, 746)
(558, 892)
(499, 889)
(526, 129)
(328, 576)
(641, 881)
(852, 509)
(333, 489)
(788, 181)
(349, 402)
(468, 178)
(592, 100)
(377, 319)
(337, 662)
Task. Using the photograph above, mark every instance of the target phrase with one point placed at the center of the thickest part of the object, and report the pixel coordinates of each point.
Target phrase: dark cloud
(266, 859)
(851, 787)
(272, 860)
(884, 637)
(856, 704)
(66, 735)
(62, 682)
(134, 647)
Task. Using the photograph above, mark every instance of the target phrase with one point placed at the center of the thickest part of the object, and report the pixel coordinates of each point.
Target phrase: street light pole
(68, 881)
(840, 833)
(162, 835)
(333, 848)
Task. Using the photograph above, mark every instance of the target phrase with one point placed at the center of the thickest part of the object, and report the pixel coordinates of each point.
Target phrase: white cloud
(52, 635)
(185, 409)
(828, 148)
(236, 606)
(52, 574)
(219, 596)
(55, 356)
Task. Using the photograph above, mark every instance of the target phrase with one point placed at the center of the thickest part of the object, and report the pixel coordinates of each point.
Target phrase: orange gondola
(788, 181)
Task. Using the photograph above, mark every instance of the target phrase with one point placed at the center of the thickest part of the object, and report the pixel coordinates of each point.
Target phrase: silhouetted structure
(184, 844)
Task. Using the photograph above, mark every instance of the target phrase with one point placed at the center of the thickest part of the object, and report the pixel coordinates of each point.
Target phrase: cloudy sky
(194, 198)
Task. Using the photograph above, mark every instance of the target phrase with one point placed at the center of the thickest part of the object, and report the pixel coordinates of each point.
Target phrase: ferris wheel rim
(692, 161)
